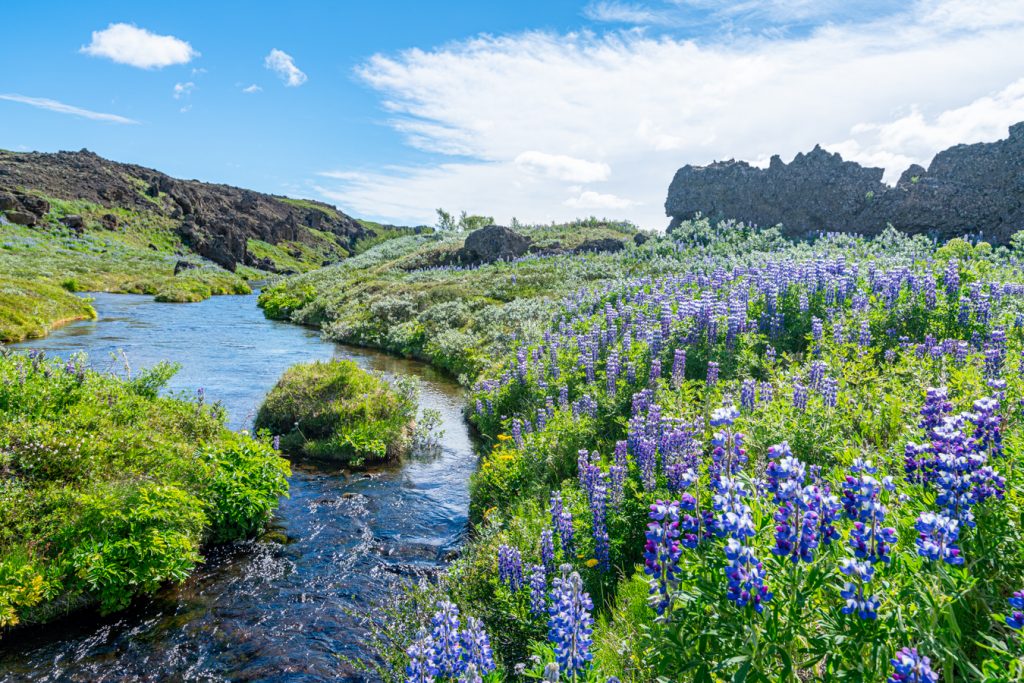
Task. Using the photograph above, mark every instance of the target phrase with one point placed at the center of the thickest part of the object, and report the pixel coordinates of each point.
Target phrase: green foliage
(335, 410)
(109, 490)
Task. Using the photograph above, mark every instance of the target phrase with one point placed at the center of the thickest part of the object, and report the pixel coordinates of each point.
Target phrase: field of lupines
(745, 459)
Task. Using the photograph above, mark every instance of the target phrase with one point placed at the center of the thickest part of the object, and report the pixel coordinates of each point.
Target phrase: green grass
(110, 491)
(31, 308)
(336, 411)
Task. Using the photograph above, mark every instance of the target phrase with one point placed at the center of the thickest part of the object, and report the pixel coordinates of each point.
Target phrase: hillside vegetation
(718, 455)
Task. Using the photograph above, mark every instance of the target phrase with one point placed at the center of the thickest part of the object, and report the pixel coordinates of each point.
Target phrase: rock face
(973, 189)
(216, 221)
(493, 243)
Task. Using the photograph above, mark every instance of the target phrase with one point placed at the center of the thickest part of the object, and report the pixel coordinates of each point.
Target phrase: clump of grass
(334, 410)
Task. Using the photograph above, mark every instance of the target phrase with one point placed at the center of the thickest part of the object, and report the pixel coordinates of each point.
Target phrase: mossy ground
(336, 411)
(31, 308)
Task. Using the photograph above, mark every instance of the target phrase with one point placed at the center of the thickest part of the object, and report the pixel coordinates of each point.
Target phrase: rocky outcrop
(493, 243)
(601, 244)
(215, 221)
(976, 188)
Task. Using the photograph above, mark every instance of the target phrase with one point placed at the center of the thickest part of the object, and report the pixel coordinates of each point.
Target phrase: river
(260, 610)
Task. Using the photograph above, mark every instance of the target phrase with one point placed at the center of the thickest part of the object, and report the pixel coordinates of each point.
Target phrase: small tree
(445, 221)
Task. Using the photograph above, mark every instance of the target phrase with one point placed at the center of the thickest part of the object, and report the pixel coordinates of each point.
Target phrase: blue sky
(540, 110)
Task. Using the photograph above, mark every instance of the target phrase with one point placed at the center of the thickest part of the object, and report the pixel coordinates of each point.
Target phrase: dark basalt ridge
(966, 189)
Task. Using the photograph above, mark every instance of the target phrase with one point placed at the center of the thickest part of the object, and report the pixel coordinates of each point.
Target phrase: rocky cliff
(215, 221)
(973, 189)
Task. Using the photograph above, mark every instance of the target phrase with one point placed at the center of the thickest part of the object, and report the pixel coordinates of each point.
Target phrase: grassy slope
(459, 319)
(109, 491)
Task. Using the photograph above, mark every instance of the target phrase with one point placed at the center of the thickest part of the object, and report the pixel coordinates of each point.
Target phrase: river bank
(285, 606)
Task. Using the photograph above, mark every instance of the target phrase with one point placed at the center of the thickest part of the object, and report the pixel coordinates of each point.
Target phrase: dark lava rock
(599, 245)
(37, 205)
(965, 189)
(109, 221)
(640, 238)
(8, 201)
(21, 217)
(493, 243)
(73, 221)
(183, 265)
(215, 221)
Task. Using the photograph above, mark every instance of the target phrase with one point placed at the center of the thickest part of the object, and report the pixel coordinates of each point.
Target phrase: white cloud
(625, 13)
(645, 105)
(562, 167)
(283, 65)
(252, 89)
(183, 89)
(596, 200)
(61, 108)
(914, 138)
(128, 44)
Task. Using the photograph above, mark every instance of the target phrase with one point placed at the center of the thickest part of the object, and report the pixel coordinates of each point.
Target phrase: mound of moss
(108, 490)
(336, 411)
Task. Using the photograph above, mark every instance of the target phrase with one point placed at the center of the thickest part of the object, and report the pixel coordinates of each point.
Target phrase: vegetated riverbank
(833, 426)
(409, 295)
(336, 411)
(110, 490)
(293, 599)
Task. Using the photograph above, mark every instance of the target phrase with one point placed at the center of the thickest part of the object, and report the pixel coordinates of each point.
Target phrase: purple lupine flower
(936, 407)
(869, 540)
(616, 484)
(538, 589)
(678, 368)
(745, 576)
(561, 520)
(937, 536)
(510, 567)
(865, 334)
(712, 378)
(854, 590)
(655, 370)
(447, 648)
(748, 398)
(767, 393)
(910, 667)
(570, 626)
(1016, 618)
(830, 391)
(421, 668)
(476, 647)
(598, 509)
(769, 354)
(662, 552)
(547, 549)
(799, 396)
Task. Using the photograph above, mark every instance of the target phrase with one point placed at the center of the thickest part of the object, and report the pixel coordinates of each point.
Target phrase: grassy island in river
(334, 410)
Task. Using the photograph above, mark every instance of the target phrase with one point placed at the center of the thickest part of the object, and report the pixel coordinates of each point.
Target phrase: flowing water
(260, 610)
